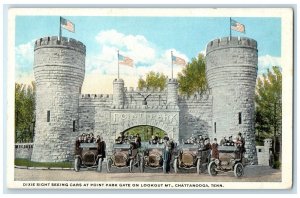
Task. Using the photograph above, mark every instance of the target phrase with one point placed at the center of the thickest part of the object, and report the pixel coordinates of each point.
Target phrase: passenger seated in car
(97, 139)
(207, 144)
(119, 140)
(87, 139)
(223, 141)
(154, 140)
(84, 138)
(201, 144)
(230, 141)
(92, 138)
(201, 139)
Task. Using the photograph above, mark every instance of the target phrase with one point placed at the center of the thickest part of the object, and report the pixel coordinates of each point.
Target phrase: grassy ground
(26, 162)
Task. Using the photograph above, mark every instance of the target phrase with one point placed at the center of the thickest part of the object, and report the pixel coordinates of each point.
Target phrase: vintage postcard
(140, 98)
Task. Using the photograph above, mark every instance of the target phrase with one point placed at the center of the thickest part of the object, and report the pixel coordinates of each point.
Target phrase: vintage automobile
(124, 156)
(230, 159)
(152, 157)
(87, 156)
(191, 156)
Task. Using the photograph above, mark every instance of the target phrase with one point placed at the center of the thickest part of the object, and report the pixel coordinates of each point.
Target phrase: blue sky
(147, 40)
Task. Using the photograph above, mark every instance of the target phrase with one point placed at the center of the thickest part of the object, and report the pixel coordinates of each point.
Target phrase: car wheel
(238, 170)
(108, 166)
(212, 168)
(77, 164)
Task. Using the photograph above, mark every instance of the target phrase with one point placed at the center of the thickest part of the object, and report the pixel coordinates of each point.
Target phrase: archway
(145, 132)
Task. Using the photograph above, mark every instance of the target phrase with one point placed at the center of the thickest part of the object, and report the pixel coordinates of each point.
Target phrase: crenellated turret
(59, 68)
(231, 69)
(118, 94)
(172, 92)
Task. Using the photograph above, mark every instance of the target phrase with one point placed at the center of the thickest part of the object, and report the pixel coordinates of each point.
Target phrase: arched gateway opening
(146, 132)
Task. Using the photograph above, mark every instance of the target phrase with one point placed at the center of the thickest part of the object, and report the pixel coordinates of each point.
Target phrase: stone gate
(62, 112)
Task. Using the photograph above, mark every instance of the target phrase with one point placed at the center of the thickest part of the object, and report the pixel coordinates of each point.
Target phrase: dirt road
(252, 174)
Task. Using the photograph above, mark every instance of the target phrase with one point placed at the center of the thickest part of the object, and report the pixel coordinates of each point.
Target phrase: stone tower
(231, 69)
(59, 68)
(172, 92)
(118, 94)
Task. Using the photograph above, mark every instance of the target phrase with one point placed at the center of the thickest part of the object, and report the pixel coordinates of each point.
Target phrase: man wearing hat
(167, 154)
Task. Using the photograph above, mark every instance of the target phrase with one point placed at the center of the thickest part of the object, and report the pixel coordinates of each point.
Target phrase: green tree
(145, 132)
(24, 112)
(192, 79)
(153, 81)
(268, 106)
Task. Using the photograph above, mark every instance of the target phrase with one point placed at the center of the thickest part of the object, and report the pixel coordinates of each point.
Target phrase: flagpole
(230, 27)
(172, 62)
(60, 28)
(118, 66)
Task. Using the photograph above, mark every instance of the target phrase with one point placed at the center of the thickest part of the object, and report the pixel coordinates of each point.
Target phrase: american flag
(178, 61)
(125, 60)
(237, 26)
(68, 25)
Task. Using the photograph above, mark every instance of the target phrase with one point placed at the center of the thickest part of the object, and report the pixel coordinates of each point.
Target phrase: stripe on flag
(125, 60)
(178, 61)
(236, 26)
(68, 25)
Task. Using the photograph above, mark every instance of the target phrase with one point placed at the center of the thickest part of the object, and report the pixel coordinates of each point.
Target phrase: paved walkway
(252, 174)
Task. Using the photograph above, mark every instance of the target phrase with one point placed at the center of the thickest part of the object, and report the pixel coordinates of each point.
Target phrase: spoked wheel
(99, 167)
(175, 165)
(77, 164)
(142, 165)
(212, 168)
(108, 166)
(238, 170)
(131, 165)
(199, 166)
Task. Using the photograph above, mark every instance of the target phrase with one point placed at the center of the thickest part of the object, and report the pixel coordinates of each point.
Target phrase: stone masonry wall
(23, 150)
(231, 72)
(192, 117)
(195, 116)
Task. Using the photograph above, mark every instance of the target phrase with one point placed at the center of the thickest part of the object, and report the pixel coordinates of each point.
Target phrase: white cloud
(267, 62)
(102, 65)
(24, 58)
